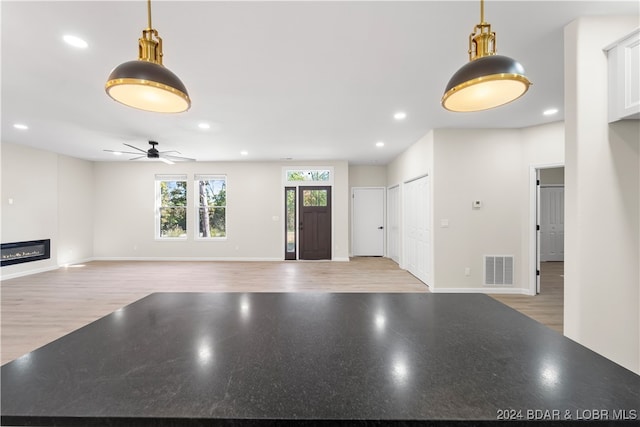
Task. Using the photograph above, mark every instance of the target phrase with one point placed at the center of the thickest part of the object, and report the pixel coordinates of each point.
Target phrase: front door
(315, 222)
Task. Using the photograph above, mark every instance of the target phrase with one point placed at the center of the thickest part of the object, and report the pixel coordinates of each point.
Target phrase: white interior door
(552, 223)
(393, 223)
(368, 221)
(417, 228)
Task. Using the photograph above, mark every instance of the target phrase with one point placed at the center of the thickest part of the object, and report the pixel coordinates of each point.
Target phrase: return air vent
(498, 269)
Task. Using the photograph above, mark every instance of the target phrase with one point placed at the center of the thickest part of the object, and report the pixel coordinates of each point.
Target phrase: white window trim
(196, 202)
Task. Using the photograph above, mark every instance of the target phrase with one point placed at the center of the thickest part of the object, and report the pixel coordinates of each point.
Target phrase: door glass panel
(314, 197)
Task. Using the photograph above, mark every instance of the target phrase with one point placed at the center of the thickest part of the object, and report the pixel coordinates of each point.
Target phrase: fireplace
(19, 252)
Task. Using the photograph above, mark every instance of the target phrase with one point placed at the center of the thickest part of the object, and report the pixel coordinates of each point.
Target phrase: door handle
(380, 228)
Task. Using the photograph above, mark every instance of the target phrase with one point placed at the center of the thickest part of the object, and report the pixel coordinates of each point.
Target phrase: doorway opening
(547, 236)
(308, 228)
(307, 223)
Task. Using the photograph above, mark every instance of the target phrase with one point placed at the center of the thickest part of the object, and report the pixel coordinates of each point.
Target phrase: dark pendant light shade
(485, 83)
(487, 80)
(146, 84)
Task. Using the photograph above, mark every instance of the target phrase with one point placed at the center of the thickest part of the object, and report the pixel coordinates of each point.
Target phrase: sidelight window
(290, 225)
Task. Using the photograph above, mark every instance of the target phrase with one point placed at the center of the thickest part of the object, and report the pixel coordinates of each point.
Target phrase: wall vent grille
(498, 270)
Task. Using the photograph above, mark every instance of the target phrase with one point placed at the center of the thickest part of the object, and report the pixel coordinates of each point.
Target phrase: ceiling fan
(153, 153)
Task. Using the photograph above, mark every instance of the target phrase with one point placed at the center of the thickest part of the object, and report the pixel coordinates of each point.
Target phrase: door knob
(380, 228)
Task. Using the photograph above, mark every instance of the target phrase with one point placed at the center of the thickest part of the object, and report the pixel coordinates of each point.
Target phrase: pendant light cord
(149, 13)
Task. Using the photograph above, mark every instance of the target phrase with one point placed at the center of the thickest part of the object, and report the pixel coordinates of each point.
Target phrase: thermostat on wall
(477, 204)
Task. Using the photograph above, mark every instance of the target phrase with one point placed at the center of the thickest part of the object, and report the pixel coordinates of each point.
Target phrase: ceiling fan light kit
(145, 83)
(488, 80)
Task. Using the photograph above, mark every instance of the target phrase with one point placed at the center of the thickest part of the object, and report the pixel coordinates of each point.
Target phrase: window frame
(304, 183)
(196, 199)
(158, 179)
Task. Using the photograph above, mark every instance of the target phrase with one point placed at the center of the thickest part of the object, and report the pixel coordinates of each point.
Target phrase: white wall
(552, 176)
(124, 211)
(602, 280)
(367, 176)
(75, 210)
(473, 165)
(105, 210)
(51, 200)
(491, 165)
(414, 162)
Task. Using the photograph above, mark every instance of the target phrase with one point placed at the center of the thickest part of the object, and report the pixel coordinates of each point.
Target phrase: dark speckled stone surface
(189, 358)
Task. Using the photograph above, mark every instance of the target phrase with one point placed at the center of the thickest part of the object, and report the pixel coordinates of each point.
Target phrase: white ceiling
(300, 79)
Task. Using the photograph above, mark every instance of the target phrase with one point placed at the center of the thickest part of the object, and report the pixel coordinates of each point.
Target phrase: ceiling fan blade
(167, 161)
(178, 158)
(171, 151)
(135, 148)
(137, 158)
(118, 151)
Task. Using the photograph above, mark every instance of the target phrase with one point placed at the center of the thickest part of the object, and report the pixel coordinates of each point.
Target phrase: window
(171, 206)
(211, 192)
(290, 225)
(321, 175)
(314, 197)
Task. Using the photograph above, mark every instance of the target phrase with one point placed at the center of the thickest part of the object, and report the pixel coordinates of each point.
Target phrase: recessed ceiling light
(244, 153)
(75, 41)
(204, 125)
(20, 126)
(379, 144)
(400, 115)
(550, 111)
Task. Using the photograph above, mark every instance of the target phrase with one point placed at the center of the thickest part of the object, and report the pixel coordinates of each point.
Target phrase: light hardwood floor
(40, 308)
(548, 306)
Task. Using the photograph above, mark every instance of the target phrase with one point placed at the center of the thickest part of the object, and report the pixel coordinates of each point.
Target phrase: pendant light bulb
(488, 80)
(145, 83)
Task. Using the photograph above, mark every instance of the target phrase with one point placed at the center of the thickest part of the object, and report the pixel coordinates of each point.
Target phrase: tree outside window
(212, 206)
(308, 175)
(172, 208)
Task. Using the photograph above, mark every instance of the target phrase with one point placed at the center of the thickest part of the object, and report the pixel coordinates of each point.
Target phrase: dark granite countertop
(233, 358)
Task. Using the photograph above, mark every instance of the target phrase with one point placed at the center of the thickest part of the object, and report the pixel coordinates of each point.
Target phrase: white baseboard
(27, 273)
(76, 262)
(487, 290)
(185, 259)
